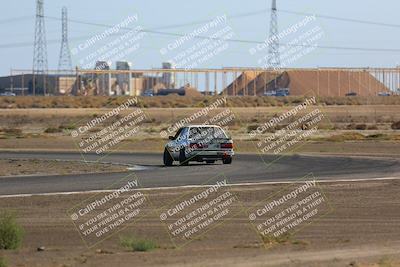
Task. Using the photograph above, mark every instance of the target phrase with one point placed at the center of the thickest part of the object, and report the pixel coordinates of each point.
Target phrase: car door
(178, 143)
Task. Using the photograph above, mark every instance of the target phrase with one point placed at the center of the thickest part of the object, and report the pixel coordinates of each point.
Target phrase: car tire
(168, 160)
(227, 160)
(182, 158)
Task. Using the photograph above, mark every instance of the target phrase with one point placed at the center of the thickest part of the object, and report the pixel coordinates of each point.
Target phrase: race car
(201, 143)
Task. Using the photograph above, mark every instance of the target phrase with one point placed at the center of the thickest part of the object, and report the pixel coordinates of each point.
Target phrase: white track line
(198, 186)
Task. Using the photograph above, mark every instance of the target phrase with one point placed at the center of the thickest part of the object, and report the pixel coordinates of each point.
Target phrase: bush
(346, 137)
(135, 244)
(67, 127)
(251, 128)
(53, 130)
(12, 131)
(281, 239)
(396, 125)
(372, 127)
(378, 136)
(3, 262)
(11, 233)
(361, 127)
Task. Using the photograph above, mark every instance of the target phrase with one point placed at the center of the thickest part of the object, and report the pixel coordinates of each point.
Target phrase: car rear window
(198, 133)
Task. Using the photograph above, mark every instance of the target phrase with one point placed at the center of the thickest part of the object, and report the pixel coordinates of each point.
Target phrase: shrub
(67, 127)
(378, 136)
(281, 239)
(372, 127)
(12, 131)
(3, 262)
(252, 128)
(11, 233)
(361, 127)
(136, 244)
(346, 137)
(396, 125)
(53, 130)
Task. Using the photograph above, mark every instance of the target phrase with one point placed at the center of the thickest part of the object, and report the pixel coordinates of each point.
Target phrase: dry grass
(341, 123)
(183, 102)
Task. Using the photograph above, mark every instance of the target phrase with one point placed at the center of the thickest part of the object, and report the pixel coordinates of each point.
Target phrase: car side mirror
(171, 138)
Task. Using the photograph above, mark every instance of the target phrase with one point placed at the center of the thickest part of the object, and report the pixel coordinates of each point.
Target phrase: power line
(240, 15)
(29, 44)
(4, 21)
(240, 40)
(170, 34)
(341, 18)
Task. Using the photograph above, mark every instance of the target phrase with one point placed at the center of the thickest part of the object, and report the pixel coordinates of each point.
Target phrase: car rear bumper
(203, 155)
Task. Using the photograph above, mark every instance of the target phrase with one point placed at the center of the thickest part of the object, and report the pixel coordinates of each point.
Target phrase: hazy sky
(16, 44)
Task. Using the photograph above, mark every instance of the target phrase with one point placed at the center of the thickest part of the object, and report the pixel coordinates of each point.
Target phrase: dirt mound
(302, 82)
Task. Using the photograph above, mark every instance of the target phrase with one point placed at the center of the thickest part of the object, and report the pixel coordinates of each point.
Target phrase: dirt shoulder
(62, 143)
(14, 167)
(361, 230)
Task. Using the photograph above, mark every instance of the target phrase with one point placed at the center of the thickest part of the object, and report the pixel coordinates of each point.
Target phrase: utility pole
(40, 66)
(273, 50)
(65, 62)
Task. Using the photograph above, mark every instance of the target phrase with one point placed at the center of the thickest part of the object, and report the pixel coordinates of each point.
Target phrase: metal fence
(227, 81)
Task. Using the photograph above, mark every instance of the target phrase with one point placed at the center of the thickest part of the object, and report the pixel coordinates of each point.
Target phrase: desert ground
(360, 229)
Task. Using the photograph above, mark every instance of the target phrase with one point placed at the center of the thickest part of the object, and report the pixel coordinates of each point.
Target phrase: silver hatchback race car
(201, 143)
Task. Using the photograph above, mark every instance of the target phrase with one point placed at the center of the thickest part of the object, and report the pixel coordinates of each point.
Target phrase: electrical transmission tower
(40, 66)
(65, 62)
(273, 50)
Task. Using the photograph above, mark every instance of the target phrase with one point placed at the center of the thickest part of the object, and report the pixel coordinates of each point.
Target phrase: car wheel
(227, 160)
(182, 158)
(168, 161)
(210, 161)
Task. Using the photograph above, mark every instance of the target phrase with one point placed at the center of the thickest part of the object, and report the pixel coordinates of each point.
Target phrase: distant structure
(102, 65)
(103, 81)
(319, 82)
(40, 66)
(65, 62)
(167, 77)
(273, 50)
(123, 81)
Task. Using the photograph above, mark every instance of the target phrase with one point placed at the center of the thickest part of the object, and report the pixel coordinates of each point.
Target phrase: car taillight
(195, 145)
(227, 145)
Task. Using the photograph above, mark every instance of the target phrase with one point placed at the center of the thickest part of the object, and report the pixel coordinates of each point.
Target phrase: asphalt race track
(151, 173)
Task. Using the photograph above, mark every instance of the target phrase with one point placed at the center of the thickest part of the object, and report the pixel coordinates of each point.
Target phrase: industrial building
(50, 84)
(105, 81)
